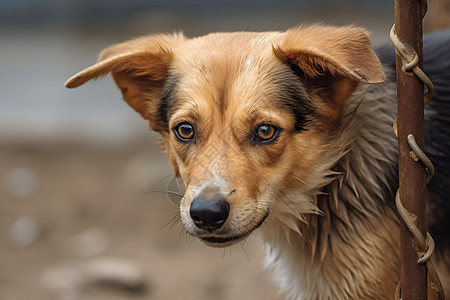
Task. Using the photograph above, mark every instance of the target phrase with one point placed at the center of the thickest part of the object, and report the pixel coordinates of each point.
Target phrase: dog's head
(242, 115)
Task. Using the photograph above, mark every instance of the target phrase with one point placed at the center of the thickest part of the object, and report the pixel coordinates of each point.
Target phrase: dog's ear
(139, 68)
(330, 60)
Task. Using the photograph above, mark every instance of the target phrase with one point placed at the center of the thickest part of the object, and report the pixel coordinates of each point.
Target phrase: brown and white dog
(289, 132)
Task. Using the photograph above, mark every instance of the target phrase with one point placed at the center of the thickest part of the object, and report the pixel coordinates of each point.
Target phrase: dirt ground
(67, 207)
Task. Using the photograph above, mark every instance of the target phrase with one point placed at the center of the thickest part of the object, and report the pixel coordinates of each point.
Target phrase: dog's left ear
(330, 60)
(139, 68)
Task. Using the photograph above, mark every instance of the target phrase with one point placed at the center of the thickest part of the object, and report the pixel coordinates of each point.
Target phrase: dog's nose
(209, 214)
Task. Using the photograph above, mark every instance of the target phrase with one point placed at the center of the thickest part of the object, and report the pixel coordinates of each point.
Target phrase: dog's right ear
(139, 68)
(331, 61)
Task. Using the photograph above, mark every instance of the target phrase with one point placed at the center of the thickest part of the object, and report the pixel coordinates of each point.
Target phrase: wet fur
(329, 179)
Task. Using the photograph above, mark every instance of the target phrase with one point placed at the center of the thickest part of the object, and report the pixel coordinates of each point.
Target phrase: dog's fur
(322, 189)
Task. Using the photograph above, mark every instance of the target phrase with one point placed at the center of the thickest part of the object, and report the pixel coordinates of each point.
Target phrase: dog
(290, 132)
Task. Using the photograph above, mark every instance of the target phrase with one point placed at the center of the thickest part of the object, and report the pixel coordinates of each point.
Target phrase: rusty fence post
(408, 24)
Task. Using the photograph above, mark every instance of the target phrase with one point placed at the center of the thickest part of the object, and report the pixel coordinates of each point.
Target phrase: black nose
(209, 214)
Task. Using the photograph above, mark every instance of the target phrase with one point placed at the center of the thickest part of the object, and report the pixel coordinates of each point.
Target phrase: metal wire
(425, 245)
(410, 61)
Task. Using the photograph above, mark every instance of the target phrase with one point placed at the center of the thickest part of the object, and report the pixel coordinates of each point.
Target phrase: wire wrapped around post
(415, 169)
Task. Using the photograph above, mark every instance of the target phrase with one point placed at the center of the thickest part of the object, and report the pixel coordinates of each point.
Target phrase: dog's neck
(329, 234)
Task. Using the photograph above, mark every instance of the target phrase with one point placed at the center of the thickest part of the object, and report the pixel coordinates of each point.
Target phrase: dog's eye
(184, 131)
(266, 133)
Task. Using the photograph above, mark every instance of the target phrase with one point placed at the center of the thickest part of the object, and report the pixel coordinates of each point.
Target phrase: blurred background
(83, 208)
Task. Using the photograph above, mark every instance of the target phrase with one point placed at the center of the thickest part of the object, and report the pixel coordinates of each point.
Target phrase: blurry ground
(64, 207)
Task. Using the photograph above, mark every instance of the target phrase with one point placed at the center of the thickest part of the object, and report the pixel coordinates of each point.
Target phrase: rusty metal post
(408, 23)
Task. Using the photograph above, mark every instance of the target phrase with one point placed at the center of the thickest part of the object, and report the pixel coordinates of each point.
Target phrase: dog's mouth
(228, 240)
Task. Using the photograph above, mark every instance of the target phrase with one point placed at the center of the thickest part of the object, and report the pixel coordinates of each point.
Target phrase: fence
(415, 170)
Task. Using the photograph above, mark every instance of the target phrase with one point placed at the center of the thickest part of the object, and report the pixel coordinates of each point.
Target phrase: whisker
(223, 255)
(246, 254)
(190, 97)
(182, 232)
(292, 205)
(256, 100)
(176, 218)
(164, 178)
(177, 221)
(301, 180)
(190, 240)
(165, 192)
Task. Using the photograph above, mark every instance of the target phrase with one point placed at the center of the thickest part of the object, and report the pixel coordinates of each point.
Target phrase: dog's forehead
(225, 48)
(225, 66)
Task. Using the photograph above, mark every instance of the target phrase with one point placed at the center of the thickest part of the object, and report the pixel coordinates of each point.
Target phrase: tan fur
(330, 233)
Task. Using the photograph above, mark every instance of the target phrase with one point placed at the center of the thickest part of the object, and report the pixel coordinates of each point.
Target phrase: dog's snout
(209, 214)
